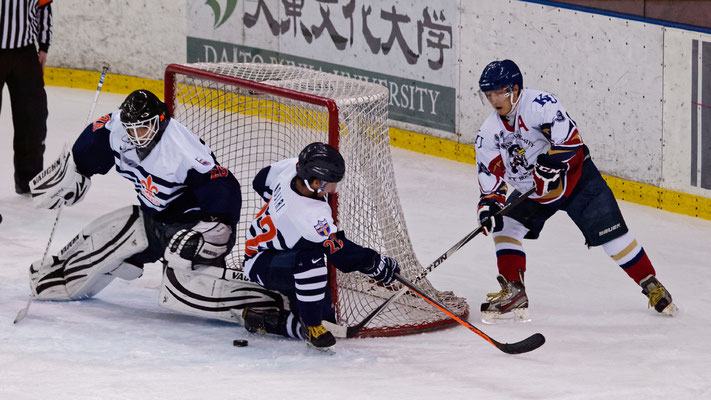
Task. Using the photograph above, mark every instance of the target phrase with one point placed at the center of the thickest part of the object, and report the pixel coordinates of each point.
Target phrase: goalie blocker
(59, 184)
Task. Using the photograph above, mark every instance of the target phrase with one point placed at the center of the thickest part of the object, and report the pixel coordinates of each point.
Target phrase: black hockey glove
(488, 218)
(383, 269)
(204, 243)
(546, 174)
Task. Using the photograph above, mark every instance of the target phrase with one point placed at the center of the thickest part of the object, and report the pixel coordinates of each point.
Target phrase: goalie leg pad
(127, 271)
(93, 258)
(210, 292)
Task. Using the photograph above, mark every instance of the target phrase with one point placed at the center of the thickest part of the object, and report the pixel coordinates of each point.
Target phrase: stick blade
(529, 344)
(23, 313)
(338, 331)
(20, 316)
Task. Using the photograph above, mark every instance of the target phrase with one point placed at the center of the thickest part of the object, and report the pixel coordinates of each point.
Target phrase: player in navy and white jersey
(291, 239)
(184, 195)
(530, 140)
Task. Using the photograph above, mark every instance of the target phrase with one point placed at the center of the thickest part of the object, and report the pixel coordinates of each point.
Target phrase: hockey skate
(508, 305)
(659, 296)
(320, 338)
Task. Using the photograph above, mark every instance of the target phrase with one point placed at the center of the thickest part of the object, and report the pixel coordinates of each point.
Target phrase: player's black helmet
(142, 109)
(321, 161)
(500, 74)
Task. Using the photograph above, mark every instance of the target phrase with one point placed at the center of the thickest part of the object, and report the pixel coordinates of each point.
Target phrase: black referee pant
(21, 70)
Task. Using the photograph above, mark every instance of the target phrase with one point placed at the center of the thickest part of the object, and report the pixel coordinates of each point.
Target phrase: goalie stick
(524, 346)
(23, 312)
(352, 331)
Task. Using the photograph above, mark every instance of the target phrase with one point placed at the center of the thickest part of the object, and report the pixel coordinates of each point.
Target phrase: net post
(333, 140)
(169, 88)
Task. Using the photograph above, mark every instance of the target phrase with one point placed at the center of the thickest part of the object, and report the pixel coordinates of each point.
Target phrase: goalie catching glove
(383, 269)
(204, 243)
(59, 184)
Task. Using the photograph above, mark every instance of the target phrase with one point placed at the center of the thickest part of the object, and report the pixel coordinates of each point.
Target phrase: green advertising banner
(408, 47)
(414, 102)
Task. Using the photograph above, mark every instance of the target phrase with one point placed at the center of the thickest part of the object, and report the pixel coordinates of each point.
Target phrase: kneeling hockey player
(291, 239)
(184, 195)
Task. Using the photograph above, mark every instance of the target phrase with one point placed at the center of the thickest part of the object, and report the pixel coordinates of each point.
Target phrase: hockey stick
(352, 331)
(23, 312)
(524, 346)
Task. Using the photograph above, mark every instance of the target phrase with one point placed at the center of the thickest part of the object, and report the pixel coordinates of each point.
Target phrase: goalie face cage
(252, 115)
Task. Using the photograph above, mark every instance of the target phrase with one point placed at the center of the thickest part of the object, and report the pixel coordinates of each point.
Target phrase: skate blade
(516, 316)
(670, 310)
(328, 350)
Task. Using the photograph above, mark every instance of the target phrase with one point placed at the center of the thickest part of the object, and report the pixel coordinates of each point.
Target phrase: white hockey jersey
(160, 177)
(178, 178)
(288, 219)
(507, 153)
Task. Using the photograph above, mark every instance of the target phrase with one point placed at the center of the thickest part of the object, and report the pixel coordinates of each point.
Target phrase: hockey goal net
(252, 115)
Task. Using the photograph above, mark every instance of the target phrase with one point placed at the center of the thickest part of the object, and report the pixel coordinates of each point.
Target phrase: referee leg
(28, 99)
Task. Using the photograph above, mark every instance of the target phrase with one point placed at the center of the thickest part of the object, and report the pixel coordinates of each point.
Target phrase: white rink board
(606, 72)
(678, 108)
(136, 37)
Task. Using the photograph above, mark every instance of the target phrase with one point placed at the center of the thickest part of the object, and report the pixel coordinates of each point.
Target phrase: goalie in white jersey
(184, 195)
(530, 140)
(291, 239)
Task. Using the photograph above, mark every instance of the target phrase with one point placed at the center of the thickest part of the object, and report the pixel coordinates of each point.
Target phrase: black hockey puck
(240, 343)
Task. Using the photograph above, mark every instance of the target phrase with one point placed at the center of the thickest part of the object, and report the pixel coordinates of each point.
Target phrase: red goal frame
(333, 138)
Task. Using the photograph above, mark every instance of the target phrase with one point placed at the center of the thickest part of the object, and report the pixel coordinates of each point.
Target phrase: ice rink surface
(602, 340)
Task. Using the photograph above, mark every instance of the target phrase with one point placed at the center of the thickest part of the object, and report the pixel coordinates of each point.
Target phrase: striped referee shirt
(24, 22)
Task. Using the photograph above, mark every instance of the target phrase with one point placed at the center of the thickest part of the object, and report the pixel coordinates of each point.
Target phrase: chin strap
(512, 114)
(306, 183)
(314, 193)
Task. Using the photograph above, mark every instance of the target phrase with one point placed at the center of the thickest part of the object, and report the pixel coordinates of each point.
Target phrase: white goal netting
(252, 115)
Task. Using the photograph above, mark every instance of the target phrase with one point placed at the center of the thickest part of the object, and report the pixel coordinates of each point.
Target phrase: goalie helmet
(321, 161)
(499, 75)
(142, 109)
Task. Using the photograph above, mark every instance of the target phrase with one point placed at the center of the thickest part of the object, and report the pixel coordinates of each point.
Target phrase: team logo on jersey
(149, 190)
(517, 157)
(323, 228)
(543, 98)
(202, 162)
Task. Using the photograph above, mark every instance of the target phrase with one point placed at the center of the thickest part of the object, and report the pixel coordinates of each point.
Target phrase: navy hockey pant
(302, 276)
(591, 205)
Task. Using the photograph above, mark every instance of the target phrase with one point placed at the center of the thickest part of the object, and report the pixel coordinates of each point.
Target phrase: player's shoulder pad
(489, 129)
(490, 124)
(286, 166)
(194, 151)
